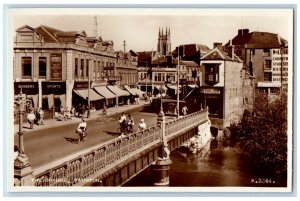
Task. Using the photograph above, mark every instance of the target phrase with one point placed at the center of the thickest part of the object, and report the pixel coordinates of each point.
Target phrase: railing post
(160, 169)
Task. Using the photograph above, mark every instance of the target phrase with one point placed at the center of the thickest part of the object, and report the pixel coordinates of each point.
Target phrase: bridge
(115, 162)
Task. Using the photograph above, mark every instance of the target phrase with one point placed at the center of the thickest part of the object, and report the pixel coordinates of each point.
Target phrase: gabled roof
(47, 33)
(203, 48)
(259, 40)
(188, 50)
(216, 54)
(25, 28)
(146, 55)
(133, 53)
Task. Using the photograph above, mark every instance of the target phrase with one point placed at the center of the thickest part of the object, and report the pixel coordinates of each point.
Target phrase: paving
(48, 123)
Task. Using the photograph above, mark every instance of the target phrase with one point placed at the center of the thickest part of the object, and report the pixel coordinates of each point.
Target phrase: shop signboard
(29, 88)
(53, 88)
(82, 85)
(210, 91)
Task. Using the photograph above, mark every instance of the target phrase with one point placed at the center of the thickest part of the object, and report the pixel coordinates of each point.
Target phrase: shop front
(82, 93)
(213, 99)
(122, 95)
(30, 89)
(53, 95)
(110, 98)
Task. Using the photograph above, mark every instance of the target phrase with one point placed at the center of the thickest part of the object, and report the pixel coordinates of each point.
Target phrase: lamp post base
(22, 171)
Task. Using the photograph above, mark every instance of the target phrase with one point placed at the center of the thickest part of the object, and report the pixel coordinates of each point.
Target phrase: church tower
(164, 42)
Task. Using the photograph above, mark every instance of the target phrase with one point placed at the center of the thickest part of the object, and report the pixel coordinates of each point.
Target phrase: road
(48, 145)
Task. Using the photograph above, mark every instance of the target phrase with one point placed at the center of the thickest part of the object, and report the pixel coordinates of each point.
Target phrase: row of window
(108, 67)
(26, 63)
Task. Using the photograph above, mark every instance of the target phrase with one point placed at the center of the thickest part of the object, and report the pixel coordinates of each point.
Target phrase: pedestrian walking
(41, 113)
(37, 116)
(62, 111)
(31, 118)
(184, 110)
(122, 121)
(73, 111)
(130, 123)
(142, 125)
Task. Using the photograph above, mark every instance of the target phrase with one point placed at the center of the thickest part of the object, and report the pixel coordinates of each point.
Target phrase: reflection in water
(224, 165)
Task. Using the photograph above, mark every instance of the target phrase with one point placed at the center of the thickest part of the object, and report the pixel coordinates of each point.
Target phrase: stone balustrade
(101, 159)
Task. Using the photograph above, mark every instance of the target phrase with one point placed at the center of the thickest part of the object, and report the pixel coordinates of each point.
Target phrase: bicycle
(126, 129)
(82, 135)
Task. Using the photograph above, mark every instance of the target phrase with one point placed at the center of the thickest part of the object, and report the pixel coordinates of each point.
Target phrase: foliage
(262, 134)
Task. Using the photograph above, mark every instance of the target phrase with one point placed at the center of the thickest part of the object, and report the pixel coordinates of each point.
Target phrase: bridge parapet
(186, 122)
(98, 161)
(77, 170)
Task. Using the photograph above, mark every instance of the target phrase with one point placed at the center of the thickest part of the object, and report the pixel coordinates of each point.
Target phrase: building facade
(266, 57)
(223, 81)
(54, 67)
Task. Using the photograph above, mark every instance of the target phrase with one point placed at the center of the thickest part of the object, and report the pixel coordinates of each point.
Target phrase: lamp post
(22, 169)
(162, 94)
(89, 80)
(146, 80)
(177, 105)
(160, 169)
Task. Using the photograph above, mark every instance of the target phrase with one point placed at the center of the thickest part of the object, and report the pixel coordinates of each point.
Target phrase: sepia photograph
(149, 99)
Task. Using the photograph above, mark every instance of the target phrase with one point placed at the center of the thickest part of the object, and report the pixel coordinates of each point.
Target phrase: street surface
(51, 144)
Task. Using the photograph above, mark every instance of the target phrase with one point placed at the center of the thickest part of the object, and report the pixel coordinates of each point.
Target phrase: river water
(223, 166)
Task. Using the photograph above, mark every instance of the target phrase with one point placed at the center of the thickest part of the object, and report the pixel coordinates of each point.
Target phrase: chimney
(217, 44)
(245, 31)
(242, 32)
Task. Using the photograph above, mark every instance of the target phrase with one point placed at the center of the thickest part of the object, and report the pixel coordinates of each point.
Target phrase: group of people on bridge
(126, 126)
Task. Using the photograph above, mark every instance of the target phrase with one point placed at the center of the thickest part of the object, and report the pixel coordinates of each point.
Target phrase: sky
(139, 27)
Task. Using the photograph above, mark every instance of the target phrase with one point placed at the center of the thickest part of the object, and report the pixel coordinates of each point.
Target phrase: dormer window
(211, 73)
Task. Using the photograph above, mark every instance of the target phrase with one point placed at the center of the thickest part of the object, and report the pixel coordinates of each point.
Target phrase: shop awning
(134, 91)
(130, 90)
(139, 92)
(119, 92)
(158, 87)
(172, 87)
(192, 86)
(103, 91)
(84, 94)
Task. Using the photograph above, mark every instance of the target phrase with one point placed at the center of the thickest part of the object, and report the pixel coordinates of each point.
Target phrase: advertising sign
(280, 65)
(210, 91)
(56, 67)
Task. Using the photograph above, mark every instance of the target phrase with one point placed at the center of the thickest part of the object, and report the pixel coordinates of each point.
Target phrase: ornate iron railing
(100, 159)
(186, 122)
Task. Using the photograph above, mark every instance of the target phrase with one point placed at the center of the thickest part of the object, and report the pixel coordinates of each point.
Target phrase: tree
(262, 135)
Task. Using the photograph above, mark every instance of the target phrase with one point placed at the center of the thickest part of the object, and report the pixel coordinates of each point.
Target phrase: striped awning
(134, 91)
(85, 94)
(119, 92)
(103, 91)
